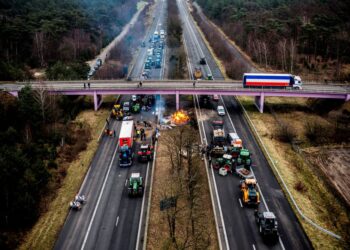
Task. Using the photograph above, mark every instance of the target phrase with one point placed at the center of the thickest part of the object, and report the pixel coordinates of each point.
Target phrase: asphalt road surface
(110, 219)
(239, 222)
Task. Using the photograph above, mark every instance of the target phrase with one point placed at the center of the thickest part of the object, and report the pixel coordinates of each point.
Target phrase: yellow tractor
(249, 193)
(197, 73)
(117, 112)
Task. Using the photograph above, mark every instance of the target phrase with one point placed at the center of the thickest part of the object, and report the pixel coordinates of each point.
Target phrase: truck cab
(297, 83)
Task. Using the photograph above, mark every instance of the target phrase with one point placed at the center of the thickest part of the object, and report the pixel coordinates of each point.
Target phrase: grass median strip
(190, 222)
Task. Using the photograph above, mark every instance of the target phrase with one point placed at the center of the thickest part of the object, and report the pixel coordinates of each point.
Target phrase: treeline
(38, 33)
(288, 35)
(35, 130)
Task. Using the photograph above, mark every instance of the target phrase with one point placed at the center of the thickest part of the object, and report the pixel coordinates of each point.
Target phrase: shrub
(286, 133)
(300, 187)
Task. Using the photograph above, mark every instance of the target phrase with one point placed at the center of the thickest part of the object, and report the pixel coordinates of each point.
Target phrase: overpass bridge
(98, 89)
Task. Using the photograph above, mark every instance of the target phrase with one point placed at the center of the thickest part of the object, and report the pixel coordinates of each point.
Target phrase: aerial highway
(110, 219)
(240, 231)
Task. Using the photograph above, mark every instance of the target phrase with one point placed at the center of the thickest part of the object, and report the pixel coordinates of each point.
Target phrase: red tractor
(145, 153)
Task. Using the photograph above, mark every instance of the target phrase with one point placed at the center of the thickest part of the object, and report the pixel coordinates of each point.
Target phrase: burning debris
(180, 117)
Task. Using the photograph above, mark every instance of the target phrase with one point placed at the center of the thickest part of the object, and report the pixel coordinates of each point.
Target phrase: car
(134, 98)
(99, 62)
(158, 64)
(209, 76)
(216, 98)
(143, 44)
(147, 65)
(149, 58)
(126, 107)
(221, 110)
(202, 61)
(158, 56)
(145, 74)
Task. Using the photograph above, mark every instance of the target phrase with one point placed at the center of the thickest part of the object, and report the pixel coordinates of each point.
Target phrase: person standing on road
(84, 85)
(194, 84)
(88, 85)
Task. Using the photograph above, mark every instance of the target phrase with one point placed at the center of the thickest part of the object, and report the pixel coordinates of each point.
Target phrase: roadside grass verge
(306, 183)
(45, 232)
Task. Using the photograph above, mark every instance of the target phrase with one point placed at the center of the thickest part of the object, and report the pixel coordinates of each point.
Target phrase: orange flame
(180, 117)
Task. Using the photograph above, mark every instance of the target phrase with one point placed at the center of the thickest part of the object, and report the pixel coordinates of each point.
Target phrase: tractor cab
(244, 159)
(135, 185)
(249, 193)
(145, 153)
(267, 223)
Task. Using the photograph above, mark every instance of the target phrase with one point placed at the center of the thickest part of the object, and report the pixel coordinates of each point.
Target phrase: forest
(293, 36)
(35, 131)
(41, 33)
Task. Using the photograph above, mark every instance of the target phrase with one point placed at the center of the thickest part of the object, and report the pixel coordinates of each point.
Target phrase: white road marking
(240, 202)
(99, 199)
(254, 247)
(126, 182)
(116, 223)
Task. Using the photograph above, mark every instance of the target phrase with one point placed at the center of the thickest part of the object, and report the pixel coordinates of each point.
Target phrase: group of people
(140, 133)
(86, 84)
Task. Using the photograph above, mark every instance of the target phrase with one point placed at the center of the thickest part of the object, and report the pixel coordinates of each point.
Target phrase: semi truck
(260, 80)
(126, 139)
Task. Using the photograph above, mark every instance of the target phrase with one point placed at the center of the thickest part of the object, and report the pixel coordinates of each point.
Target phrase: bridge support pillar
(347, 98)
(97, 101)
(177, 100)
(259, 102)
(14, 93)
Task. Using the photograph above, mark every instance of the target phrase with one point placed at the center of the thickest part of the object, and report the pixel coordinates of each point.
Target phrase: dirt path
(105, 51)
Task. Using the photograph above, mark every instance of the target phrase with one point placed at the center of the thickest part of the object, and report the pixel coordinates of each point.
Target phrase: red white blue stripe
(278, 80)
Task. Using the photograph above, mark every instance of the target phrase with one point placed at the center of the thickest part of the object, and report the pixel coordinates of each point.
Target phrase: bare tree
(292, 52)
(41, 96)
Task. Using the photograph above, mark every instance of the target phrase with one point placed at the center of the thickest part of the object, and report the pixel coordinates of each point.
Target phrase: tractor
(117, 112)
(136, 108)
(244, 159)
(249, 193)
(223, 162)
(145, 153)
(197, 73)
(267, 223)
(135, 185)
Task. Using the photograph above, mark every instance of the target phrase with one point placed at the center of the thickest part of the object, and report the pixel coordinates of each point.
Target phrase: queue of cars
(154, 53)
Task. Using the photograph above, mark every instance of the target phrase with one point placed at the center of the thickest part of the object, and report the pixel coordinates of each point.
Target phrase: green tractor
(135, 185)
(244, 159)
(223, 162)
(136, 108)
